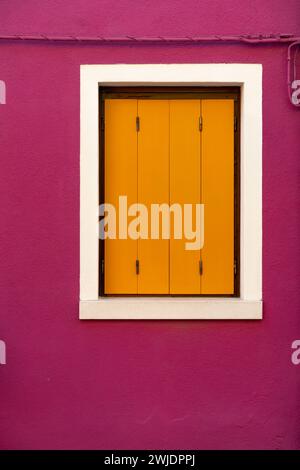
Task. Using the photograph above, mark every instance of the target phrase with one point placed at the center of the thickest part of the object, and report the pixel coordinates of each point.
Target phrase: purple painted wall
(72, 384)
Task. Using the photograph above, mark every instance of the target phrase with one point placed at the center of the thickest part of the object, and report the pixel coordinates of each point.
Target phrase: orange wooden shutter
(169, 161)
(218, 196)
(153, 187)
(184, 189)
(120, 179)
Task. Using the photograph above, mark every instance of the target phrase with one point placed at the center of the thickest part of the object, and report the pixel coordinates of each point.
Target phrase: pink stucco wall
(185, 384)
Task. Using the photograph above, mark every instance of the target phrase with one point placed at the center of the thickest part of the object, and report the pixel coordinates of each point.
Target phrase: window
(173, 148)
(245, 301)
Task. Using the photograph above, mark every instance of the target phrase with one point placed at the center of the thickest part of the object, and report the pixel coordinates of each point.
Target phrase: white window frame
(249, 305)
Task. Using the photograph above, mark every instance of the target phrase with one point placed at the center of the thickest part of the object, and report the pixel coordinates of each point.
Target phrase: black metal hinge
(137, 266)
(201, 267)
(137, 123)
(200, 123)
(235, 268)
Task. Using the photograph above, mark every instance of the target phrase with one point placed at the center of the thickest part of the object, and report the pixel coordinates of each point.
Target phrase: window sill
(161, 308)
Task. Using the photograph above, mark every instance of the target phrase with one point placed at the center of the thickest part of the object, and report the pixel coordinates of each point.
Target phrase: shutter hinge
(235, 267)
(235, 123)
(102, 123)
(201, 267)
(102, 266)
(137, 123)
(200, 123)
(137, 266)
